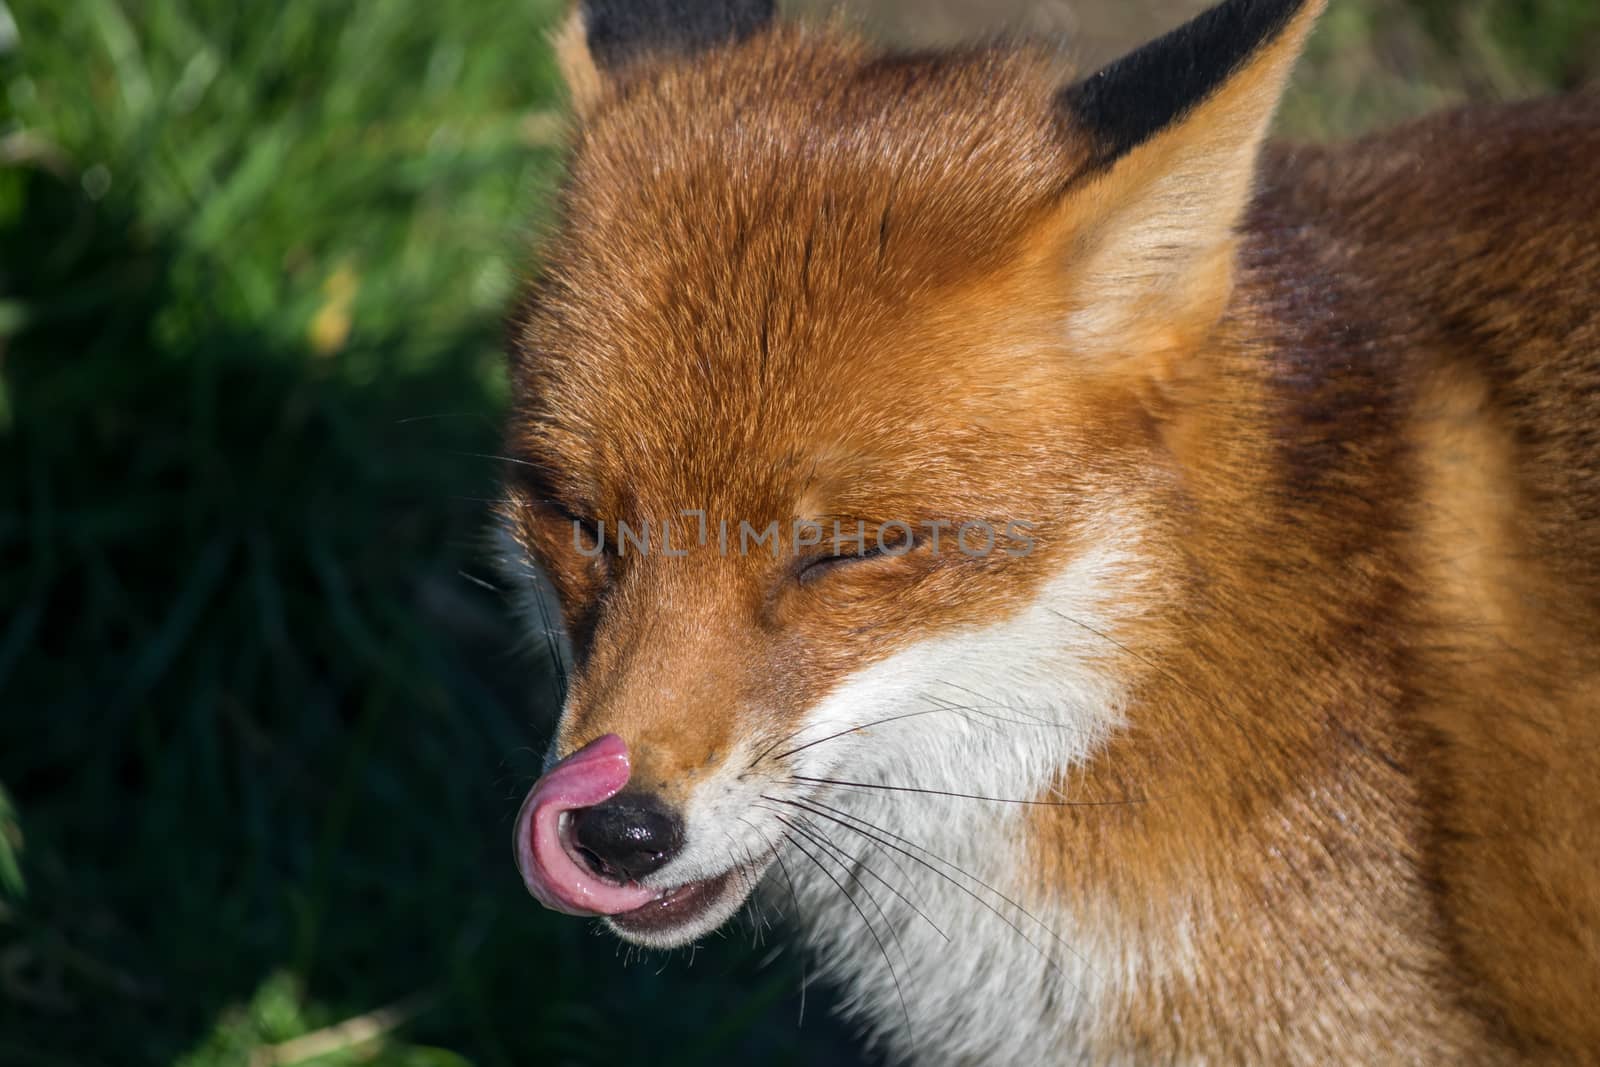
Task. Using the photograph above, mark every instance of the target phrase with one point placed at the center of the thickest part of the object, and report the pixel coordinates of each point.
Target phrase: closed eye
(815, 568)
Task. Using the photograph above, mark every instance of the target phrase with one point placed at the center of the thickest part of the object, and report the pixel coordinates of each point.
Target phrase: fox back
(1123, 590)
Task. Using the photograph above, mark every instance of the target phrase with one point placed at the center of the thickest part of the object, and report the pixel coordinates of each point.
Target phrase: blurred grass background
(262, 726)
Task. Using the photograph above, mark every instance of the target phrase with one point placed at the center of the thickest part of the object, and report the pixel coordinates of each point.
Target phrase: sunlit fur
(1281, 745)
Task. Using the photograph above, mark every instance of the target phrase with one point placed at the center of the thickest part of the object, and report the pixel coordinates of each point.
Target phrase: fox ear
(1172, 133)
(602, 36)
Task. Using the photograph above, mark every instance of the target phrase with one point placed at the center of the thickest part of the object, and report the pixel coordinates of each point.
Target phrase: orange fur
(1345, 395)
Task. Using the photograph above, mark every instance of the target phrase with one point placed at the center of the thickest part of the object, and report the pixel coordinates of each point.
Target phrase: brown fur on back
(1477, 238)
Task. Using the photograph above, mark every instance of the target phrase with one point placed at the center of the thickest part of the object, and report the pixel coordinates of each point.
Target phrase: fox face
(804, 590)
(891, 586)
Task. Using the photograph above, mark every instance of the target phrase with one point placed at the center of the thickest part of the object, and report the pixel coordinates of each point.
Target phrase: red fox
(1129, 592)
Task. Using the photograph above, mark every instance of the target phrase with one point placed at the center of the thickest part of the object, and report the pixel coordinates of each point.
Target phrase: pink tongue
(595, 772)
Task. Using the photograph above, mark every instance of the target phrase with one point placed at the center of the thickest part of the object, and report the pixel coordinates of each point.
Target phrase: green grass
(261, 736)
(1374, 62)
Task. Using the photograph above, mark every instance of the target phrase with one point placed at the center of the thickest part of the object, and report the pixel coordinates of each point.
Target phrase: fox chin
(1124, 590)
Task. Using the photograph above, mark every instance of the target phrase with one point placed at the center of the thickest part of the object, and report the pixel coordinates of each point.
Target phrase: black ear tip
(1130, 101)
(618, 30)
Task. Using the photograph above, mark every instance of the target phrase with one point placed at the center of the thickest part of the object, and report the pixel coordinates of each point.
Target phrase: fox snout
(591, 840)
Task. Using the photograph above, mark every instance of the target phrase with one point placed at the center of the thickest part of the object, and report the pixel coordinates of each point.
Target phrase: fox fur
(1282, 745)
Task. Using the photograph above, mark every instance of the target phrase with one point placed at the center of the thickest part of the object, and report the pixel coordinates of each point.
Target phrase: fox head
(855, 405)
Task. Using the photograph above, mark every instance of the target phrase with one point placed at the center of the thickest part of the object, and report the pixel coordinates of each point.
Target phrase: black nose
(627, 837)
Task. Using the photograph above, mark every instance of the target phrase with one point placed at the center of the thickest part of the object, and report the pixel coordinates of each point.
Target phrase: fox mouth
(682, 912)
(560, 876)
